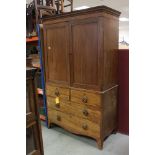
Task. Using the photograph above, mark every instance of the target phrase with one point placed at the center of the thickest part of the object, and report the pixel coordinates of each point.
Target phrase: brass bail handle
(84, 99)
(84, 126)
(85, 112)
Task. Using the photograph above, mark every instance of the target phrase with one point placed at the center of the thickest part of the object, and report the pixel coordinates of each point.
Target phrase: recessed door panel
(57, 53)
(85, 53)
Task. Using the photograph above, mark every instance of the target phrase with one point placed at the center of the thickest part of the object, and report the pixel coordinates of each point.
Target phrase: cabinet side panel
(109, 111)
(110, 76)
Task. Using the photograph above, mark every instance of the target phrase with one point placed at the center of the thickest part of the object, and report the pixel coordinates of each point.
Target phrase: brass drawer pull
(84, 126)
(58, 118)
(57, 92)
(85, 112)
(85, 99)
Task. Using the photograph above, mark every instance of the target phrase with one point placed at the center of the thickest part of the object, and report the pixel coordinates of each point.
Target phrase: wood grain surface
(76, 109)
(74, 124)
(81, 59)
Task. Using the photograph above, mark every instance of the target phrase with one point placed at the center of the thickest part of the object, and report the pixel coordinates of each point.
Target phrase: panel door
(85, 53)
(34, 144)
(56, 53)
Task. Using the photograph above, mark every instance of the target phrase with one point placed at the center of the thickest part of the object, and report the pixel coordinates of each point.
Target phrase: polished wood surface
(86, 98)
(89, 44)
(74, 124)
(34, 144)
(110, 63)
(55, 91)
(81, 58)
(56, 40)
(84, 53)
(110, 111)
(105, 116)
(76, 109)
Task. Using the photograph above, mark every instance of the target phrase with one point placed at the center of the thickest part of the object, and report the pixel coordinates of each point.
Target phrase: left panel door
(34, 144)
(56, 44)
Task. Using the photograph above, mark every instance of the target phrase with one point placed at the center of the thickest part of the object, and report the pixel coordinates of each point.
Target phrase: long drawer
(87, 98)
(75, 109)
(74, 124)
(55, 91)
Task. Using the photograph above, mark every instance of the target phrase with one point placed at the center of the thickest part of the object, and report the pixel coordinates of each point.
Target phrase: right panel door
(84, 60)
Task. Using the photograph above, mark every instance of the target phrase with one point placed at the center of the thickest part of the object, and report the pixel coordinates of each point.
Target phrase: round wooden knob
(85, 99)
(85, 112)
(84, 126)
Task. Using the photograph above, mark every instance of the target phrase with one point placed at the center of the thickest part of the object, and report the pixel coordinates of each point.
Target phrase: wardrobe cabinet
(80, 57)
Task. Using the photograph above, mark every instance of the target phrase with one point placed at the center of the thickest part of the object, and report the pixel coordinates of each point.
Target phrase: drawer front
(75, 109)
(74, 124)
(54, 91)
(86, 98)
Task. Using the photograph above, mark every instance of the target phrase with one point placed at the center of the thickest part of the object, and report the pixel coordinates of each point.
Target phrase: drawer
(62, 105)
(86, 98)
(74, 124)
(54, 91)
(75, 109)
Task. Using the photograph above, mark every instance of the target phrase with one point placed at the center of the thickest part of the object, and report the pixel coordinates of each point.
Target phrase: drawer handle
(85, 112)
(58, 118)
(57, 92)
(85, 99)
(57, 105)
(84, 126)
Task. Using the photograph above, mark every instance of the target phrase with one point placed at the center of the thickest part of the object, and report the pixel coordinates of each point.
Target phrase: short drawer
(86, 98)
(75, 109)
(54, 91)
(74, 124)
(62, 105)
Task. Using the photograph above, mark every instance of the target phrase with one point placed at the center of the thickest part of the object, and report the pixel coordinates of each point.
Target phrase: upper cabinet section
(80, 48)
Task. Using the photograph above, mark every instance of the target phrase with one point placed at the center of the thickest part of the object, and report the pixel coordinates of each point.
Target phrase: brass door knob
(85, 112)
(84, 126)
(58, 118)
(84, 99)
(49, 47)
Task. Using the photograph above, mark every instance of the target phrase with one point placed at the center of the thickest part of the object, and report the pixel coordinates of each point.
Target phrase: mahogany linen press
(80, 62)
